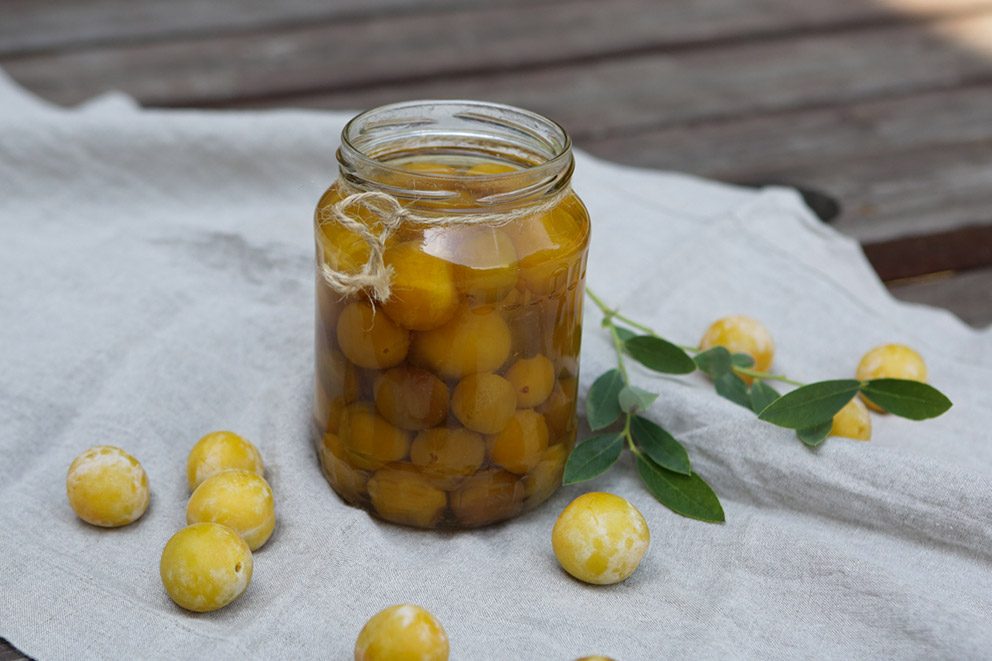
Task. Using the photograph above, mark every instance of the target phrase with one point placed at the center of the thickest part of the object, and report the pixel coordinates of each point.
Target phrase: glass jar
(451, 258)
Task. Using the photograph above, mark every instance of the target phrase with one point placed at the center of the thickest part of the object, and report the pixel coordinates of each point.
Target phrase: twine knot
(375, 277)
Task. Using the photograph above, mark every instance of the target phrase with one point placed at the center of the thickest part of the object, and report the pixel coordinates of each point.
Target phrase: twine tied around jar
(389, 215)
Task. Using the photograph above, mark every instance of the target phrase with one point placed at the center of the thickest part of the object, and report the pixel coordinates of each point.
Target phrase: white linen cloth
(157, 285)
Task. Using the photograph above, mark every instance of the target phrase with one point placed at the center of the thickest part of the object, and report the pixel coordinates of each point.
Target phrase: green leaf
(814, 436)
(713, 362)
(762, 395)
(633, 399)
(688, 495)
(742, 360)
(592, 458)
(624, 333)
(660, 446)
(907, 399)
(659, 355)
(732, 387)
(810, 405)
(602, 403)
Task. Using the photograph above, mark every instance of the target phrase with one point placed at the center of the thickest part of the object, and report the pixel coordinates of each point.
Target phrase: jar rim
(544, 139)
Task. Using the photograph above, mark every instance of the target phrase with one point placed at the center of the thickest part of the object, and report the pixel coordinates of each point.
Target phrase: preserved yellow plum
(484, 402)
(487, 497)
(403, 495)
(483, 169)
(450, 271)
(423, 295)
(476, 340)
(545, 478)
(370, 441)
(336, 374)
(532, 379)
(369, 339)
(327, 412)
(519, 446)
(411, 398)
(484, 259)
(551, 246)
(558, 410)
(348, 481)
(447, 456)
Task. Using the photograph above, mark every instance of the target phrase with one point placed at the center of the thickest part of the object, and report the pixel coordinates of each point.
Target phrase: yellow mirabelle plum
(411, 398)
(533, 380)
(559, 410)
(337, 376)
(484, 259)
(342, 248)
(600, 538)
(327, 411)
(350, 483)
(447, 456)
(891, 361)
(402, 633)
(545, 478)
(549, 246)
(107, 487)
(490, 168)
(520, 445)
(487, 497)
(238, 499)
(484, 402)
(428, 167)
(219, 451)
(401, 494)
(475, 340)
(740, 334)
(369, 338)
(852, 421)
(369, 441)
(205, 566)
(423, 288)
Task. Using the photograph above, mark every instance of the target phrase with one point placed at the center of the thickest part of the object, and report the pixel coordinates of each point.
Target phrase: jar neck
(376, 143)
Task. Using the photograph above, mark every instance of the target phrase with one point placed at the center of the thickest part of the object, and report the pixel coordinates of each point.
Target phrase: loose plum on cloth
(157, 284)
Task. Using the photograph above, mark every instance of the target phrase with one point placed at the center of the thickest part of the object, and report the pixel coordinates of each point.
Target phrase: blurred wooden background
(882, 106)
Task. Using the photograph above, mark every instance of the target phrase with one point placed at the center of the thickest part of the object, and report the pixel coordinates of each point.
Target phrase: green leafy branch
(662, 462)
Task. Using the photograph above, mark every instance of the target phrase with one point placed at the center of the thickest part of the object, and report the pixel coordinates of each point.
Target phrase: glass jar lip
(559, 160)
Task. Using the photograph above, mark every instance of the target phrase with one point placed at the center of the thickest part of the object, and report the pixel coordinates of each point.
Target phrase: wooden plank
(899, 194)
(10, 653)
(908, 165)
(955, 250)
(968, 295)
(630, 95)
(30, 25)
(600, 67)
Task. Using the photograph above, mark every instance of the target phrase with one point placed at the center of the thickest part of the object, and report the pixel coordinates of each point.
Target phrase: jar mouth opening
(374, 142)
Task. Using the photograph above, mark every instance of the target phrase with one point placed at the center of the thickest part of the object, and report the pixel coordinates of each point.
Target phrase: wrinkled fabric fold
(158, 284)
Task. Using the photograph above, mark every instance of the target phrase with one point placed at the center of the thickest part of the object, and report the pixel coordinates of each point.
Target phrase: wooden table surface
(880, 109)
